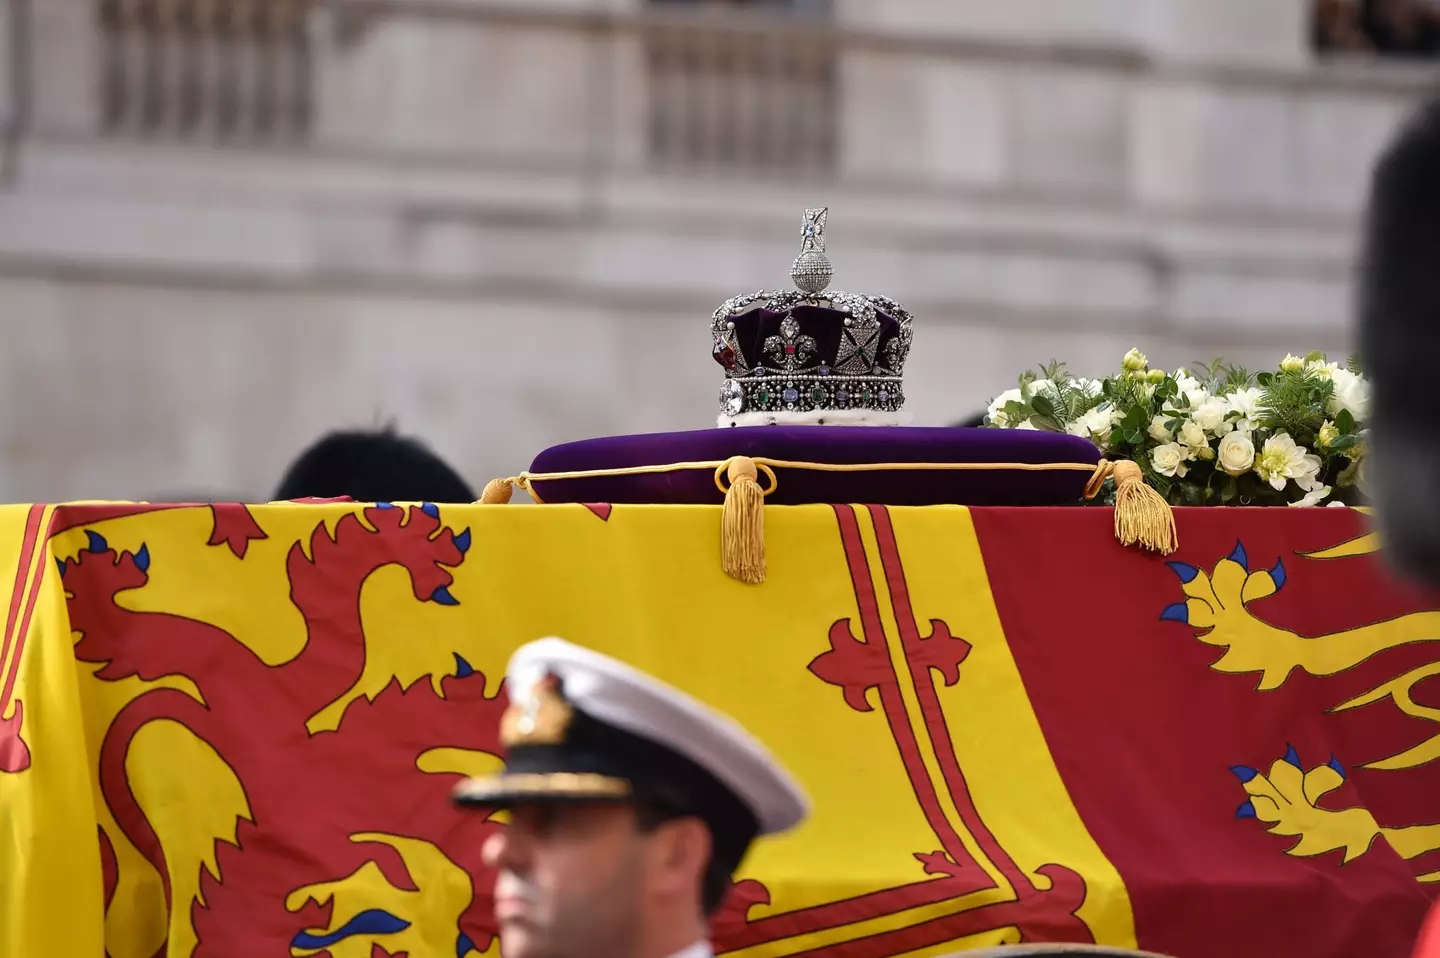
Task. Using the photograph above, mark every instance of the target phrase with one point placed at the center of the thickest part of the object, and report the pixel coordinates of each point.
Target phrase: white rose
(1170, 459)
(1090, 387)
(1038, 385)
(1191, 392)
(1025, 425)
(1192, 435)
(1313, 497)
(1158, 430)
(995, 412)
(1095, 424)
(1352, 395)
(1291, 364)
(1210, 416)
(1322, 370)
(1237, 453)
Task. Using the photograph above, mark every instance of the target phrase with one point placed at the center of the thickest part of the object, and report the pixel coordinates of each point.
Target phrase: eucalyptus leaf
(1047, 423)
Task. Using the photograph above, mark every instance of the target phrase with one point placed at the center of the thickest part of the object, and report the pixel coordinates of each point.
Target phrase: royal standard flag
(229, 731)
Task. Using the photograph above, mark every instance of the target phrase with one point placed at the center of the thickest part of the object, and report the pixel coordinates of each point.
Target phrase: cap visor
(541, 787)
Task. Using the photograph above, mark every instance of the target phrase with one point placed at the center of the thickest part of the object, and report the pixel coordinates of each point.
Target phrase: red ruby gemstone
(724, 354)
(789, 349)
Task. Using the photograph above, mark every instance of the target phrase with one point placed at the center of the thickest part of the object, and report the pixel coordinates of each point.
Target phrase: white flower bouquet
(1215, 435)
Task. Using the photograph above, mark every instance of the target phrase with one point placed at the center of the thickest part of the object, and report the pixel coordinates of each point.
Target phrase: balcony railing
(206, 68)
(741, 97)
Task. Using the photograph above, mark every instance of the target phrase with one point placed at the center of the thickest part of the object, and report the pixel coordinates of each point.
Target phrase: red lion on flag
(272, 802)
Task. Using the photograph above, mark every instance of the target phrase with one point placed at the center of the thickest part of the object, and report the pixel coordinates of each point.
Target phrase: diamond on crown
(808, 351)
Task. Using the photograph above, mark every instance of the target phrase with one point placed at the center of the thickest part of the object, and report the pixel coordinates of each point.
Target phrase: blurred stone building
(226, 225)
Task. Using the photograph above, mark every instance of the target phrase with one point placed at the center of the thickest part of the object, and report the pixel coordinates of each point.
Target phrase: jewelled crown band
(808, 355)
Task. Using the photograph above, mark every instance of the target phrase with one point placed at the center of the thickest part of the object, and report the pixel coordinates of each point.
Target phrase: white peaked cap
(616, 694)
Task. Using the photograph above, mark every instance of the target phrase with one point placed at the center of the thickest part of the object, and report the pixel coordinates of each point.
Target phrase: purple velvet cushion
(826, 444)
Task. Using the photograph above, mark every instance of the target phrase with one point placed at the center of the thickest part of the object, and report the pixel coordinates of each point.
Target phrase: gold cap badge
(541, 717)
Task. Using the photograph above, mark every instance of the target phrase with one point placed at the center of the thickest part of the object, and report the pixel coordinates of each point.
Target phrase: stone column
(65, 64)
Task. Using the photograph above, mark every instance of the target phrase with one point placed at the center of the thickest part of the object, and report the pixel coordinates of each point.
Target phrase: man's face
(571, 880)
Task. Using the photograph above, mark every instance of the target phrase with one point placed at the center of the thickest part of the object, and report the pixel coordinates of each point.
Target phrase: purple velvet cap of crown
(826, 444)
(824, 326)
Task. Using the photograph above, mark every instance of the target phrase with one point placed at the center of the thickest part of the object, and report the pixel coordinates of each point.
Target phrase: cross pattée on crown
(813, 231)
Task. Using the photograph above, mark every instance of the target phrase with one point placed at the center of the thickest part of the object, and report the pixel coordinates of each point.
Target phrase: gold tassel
(1142, 516)
(742, 522)
(497, 492)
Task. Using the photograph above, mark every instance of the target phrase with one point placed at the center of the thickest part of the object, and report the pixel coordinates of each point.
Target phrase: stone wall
(474, 240)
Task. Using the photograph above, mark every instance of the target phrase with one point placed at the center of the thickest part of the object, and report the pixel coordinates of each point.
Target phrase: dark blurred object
(373, 466)
(1336, 25)
(1401, 27)
(1399, 339)
(973, 422)
(1394, 28)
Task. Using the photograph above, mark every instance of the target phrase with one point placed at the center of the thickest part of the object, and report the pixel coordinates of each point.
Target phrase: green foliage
(1295, 403)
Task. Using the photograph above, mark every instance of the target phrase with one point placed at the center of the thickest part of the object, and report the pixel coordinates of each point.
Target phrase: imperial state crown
(810, 356)
(795, 361)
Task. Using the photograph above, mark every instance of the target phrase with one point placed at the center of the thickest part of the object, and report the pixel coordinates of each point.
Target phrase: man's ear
(682, 849)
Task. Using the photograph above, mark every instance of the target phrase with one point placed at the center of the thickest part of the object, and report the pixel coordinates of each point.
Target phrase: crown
(808, 355)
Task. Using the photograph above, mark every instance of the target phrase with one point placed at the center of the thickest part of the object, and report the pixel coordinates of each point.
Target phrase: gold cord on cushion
(742, 520)
(1142, 516)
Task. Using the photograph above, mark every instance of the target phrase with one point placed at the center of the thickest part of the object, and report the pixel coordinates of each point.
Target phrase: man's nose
(503, 849)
